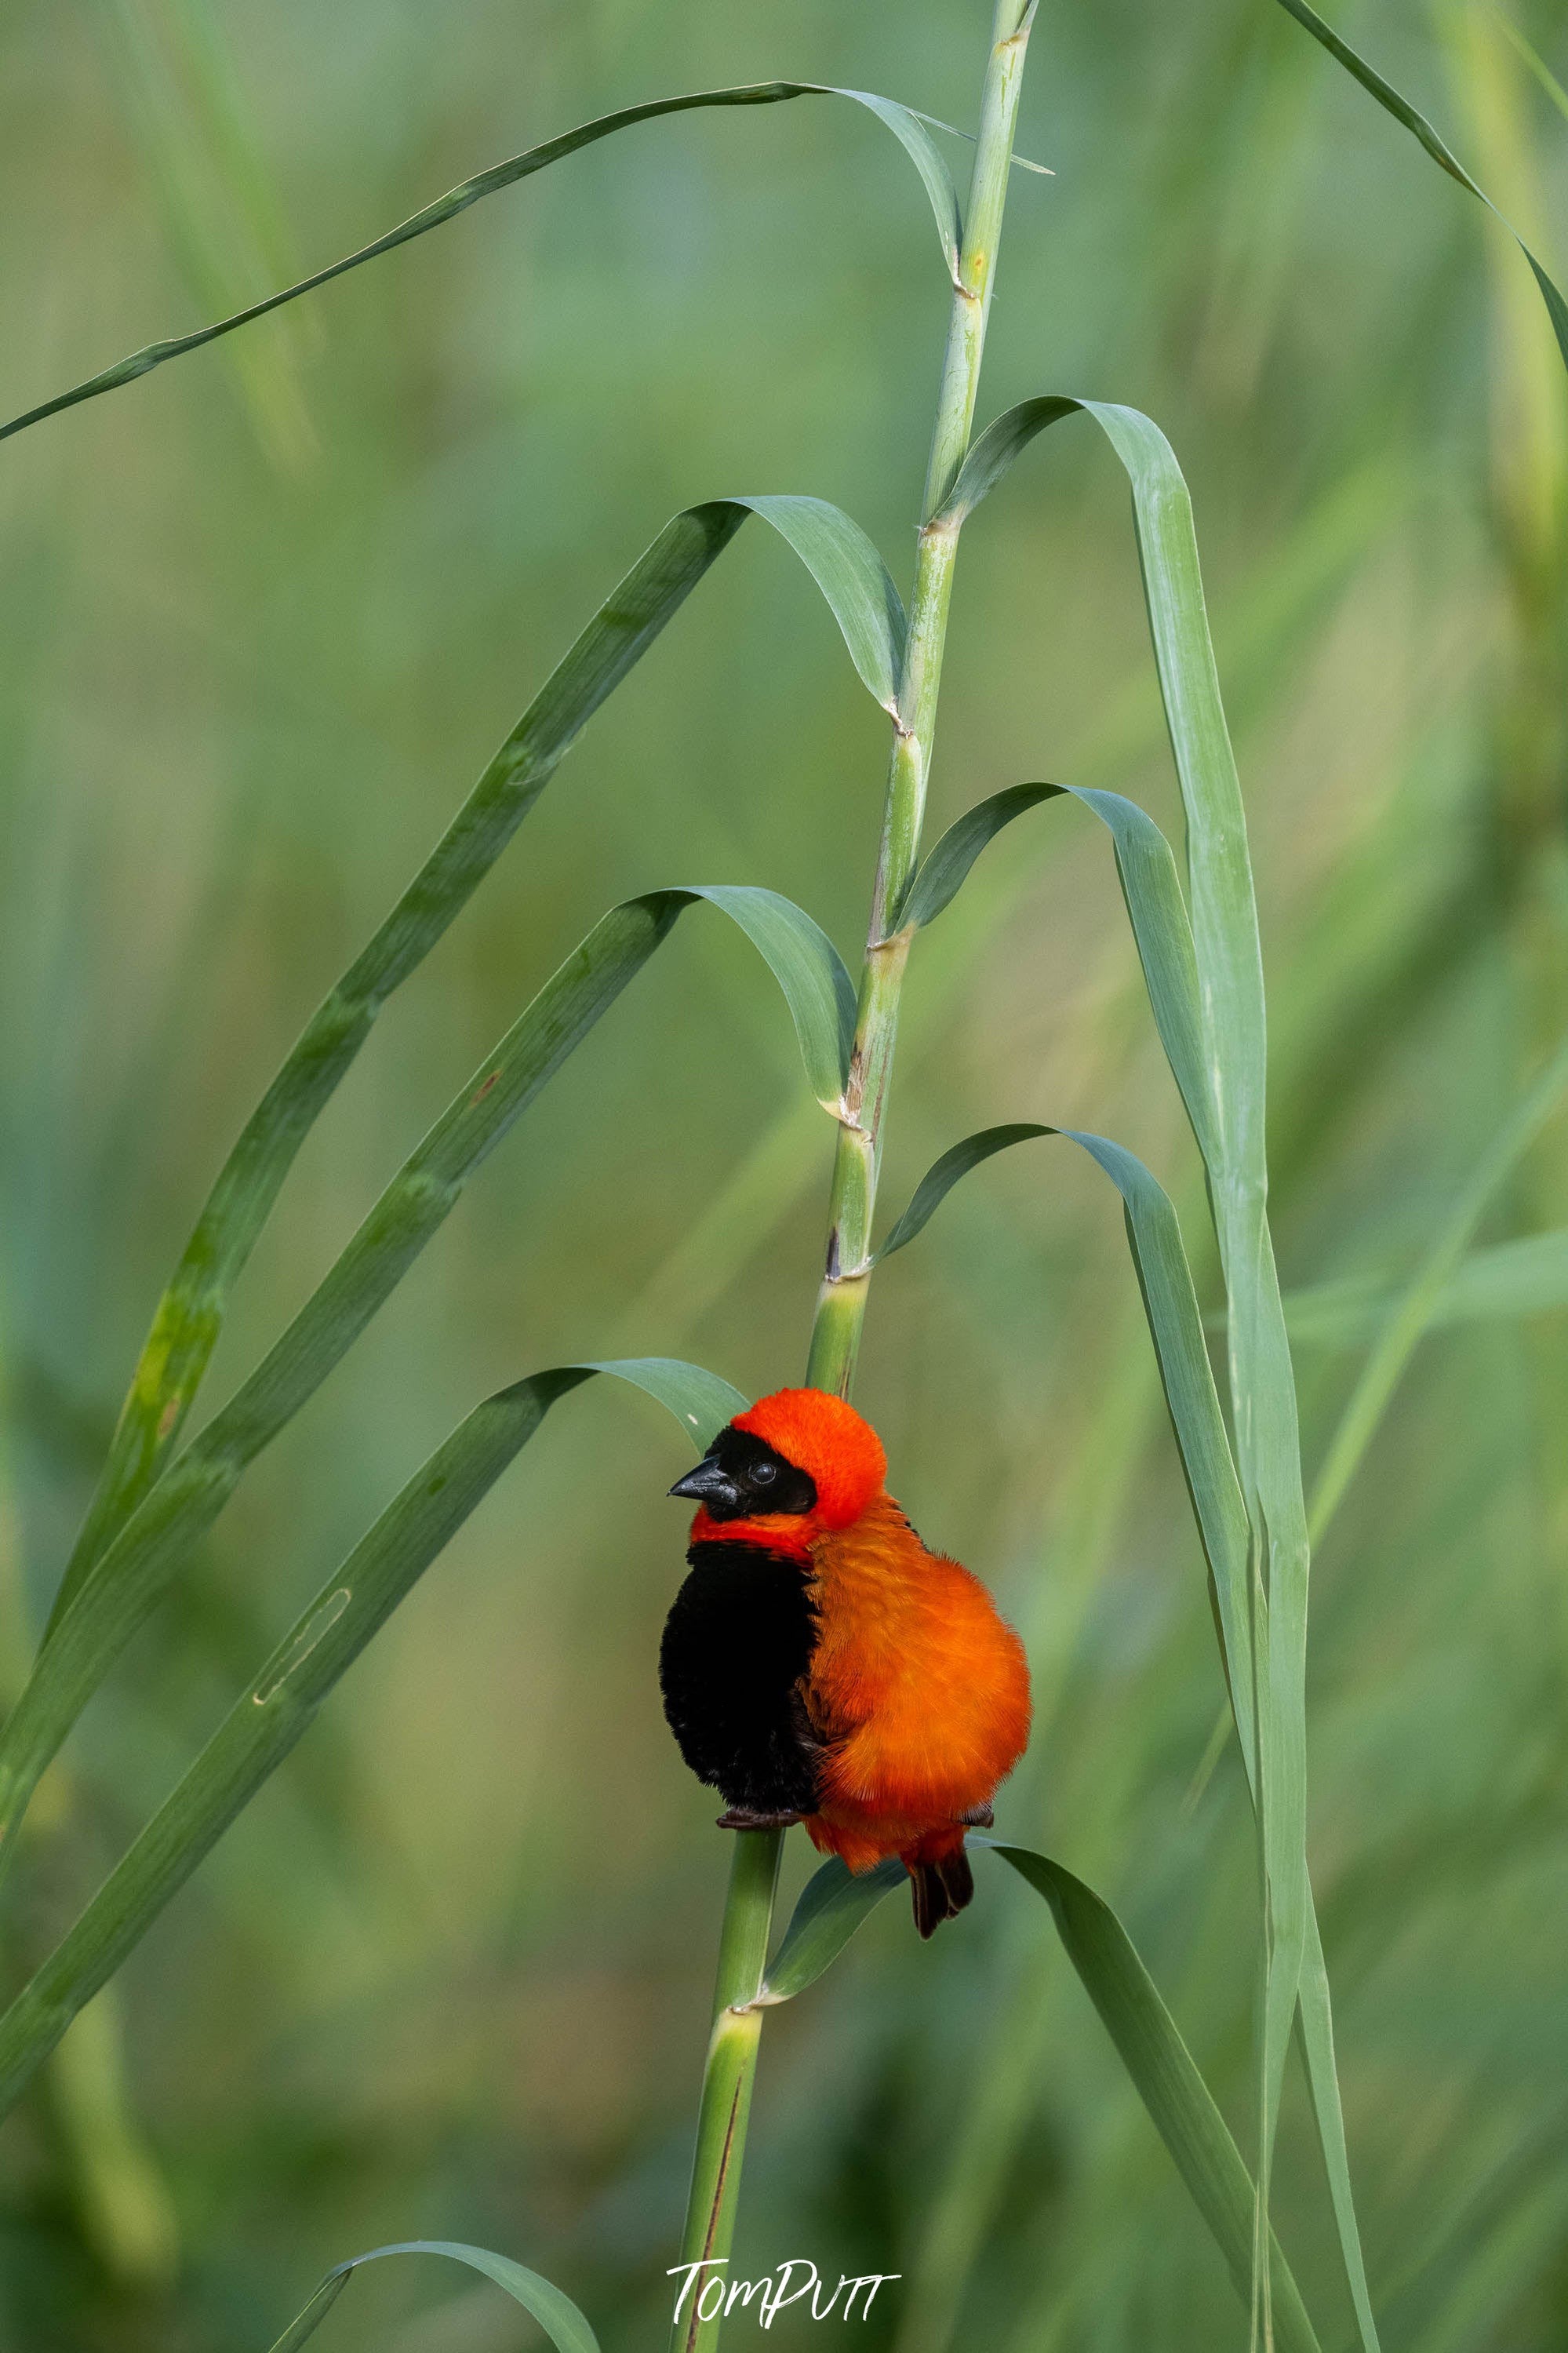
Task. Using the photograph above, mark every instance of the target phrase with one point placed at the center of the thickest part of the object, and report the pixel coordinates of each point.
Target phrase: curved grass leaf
(556, 2314)
(131, 1575)
(905, 126)
(324, 1641)
(1415, 123)
(190, 1315)
(944, 869)
(1166, 2075)
(832, 1905)
(1165, 1280)
(1152, 890)
(856, 582)
(1230, 1010)
(810, 971)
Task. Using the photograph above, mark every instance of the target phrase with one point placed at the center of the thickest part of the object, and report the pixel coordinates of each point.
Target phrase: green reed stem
(841, 1304)
(727, 2080)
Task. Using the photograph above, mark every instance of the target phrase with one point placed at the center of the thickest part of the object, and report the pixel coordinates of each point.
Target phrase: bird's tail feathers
(941, 1889)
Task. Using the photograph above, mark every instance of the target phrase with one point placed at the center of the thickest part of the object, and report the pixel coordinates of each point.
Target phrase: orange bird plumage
(821, 1665)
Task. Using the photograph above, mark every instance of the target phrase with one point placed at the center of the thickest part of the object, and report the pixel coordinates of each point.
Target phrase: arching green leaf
(810, 971)
(1166, 2078)
(700, 1402)
(1152, 889)
(846, 567)
(905, 127)
(908, 127)
(324, 1641)
(832, 1905)
(1176, 1328)
(556, 2314)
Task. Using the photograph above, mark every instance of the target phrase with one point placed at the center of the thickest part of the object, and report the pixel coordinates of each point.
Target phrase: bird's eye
(766, 1474)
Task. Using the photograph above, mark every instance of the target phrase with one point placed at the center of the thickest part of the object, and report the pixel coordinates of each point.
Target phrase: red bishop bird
(821, 1666)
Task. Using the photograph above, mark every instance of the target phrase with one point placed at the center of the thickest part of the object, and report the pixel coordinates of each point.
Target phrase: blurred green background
(264, 617)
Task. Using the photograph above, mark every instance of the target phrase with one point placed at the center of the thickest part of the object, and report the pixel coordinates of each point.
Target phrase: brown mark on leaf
(480, 1092)
(169, 1417)
(833, 1261)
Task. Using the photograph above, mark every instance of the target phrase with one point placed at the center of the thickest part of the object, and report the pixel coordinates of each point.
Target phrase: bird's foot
(979, 1818)
(742, 1817)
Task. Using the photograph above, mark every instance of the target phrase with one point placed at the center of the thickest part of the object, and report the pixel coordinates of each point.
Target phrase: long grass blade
(130, 1577)
(292, 1684)
(1415, 123)
(1179, 2105)
(1230, 1009)
(911, 134)
(1527, 1276)
(1411, 1313)
(556, 2314)
(191, 1313)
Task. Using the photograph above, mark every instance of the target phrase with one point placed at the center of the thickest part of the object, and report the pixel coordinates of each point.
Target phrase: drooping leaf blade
(851, 574)
(907, 127)
(1150, 888)
(1154, 1237)
(810, 971)
(833, 1904)
(288, 1689)
(562, 2322)
(1166, 2077)
(1415, 123)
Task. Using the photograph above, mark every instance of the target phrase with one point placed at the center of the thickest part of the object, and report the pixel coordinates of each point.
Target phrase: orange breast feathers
(918, 1686)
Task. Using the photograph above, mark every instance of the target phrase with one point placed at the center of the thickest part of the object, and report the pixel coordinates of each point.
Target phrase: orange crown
(839, 1452)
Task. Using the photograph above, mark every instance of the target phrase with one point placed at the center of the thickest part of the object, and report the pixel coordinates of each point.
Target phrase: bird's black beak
(708, 1483)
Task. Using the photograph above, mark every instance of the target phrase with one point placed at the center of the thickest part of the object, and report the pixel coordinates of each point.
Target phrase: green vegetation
(441, 1973)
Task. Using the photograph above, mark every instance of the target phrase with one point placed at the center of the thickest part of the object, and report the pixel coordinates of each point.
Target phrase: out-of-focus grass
(448, 1976)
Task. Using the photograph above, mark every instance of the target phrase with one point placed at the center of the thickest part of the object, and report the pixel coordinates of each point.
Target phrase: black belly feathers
(736, 1644)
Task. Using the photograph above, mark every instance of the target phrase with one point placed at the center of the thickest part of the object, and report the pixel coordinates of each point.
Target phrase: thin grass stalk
(841, 1302)
(841, 1306)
